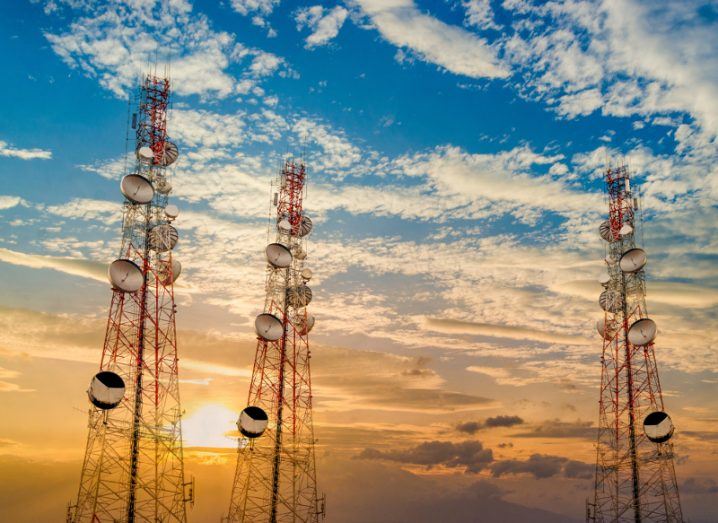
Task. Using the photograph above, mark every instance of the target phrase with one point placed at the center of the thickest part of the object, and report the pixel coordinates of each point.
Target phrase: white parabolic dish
(309, 325)
(307, 274)
(658, 427)
(137, 189)
(172, 211)
(176, 271)
(125, 275)
(606, 330)
(299, 296)
(633, 260)
(170, 155)
(106, 390)
(604, 279)
(642, 332)
(625, 230)
(610, 301)
(268, 326)
(605, 231)
(252, 422)
(278, 255)
(145, 153)
(163, 237)
(305, 226)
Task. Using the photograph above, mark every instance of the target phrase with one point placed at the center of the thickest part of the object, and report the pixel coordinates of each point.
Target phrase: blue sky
(455, 150)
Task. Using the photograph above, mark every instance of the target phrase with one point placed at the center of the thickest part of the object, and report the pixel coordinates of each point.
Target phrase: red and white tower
(275, 478)
(133, 467)
(635, 477)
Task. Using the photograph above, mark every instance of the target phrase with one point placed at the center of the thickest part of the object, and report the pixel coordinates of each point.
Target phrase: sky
(454, 151)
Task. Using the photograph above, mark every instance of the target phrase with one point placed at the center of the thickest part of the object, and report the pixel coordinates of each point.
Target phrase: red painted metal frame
(133, 466)
(275, 478)
(635, 478)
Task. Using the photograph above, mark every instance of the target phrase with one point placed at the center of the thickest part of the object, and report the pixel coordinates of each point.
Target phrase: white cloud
(245, 7)
(479, 14)
(23, 154)
(625, 57)
(87, 209)
(115, 43)
(428, 38)
(8, 202)
(324, 23)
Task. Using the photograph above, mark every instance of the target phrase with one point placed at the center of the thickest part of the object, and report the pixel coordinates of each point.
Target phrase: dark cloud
(543, 466)
(363, 490)
(503, 421)
(468, 454)
(472, 427)
(699, 486)
(560, 429)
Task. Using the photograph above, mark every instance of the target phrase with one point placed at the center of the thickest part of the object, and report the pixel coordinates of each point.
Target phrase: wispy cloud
(23, 154)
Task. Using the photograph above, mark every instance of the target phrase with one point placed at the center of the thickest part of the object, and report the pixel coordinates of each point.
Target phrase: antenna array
(133, 466)
(275, 478)
(635, 477)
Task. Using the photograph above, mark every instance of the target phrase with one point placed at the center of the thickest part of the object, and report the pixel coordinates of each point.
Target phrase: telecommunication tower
(275, 478)
(133, 466)
(635, 477)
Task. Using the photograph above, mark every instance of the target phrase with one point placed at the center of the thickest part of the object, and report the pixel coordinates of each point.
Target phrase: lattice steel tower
(635, 477)
(275, 478)
(133, 467)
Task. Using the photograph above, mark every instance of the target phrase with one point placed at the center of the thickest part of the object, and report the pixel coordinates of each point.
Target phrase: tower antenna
(635, 476)
(133, 467)
(275, 478)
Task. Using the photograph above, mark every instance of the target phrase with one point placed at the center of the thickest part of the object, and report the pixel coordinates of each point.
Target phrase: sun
(208, 425)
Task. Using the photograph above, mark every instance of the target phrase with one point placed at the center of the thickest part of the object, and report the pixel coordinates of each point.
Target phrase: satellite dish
(268, 326)
(145, 154)
(307, 274)
(252, 422)
(610, 301)
(642, 332)
(125, 275)
(284, 226)
(170, 154)
(625, 230)
(609, 260)
(137, 189)
(633, 260)
(175, 267)
(172, 211)
(305, 326)
(305, 226)
(299, 296)
(300, 253)
(106, 390)
(607, 330)
(658, 427)
(163, 237)
(163, 186)
(278, 255)
(604, 279)
(605, 231)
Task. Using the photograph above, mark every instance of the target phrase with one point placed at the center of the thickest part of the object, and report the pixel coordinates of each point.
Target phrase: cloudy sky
(454, 150)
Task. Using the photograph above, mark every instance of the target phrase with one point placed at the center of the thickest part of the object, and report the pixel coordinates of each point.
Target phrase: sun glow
(208, 426)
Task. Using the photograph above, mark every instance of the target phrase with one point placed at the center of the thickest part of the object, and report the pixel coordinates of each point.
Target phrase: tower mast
(275, 478)
(133, 466)
(635, 476)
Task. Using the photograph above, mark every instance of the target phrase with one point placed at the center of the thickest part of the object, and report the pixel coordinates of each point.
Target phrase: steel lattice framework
(275, 478)
(635, 477)
(133, 466)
